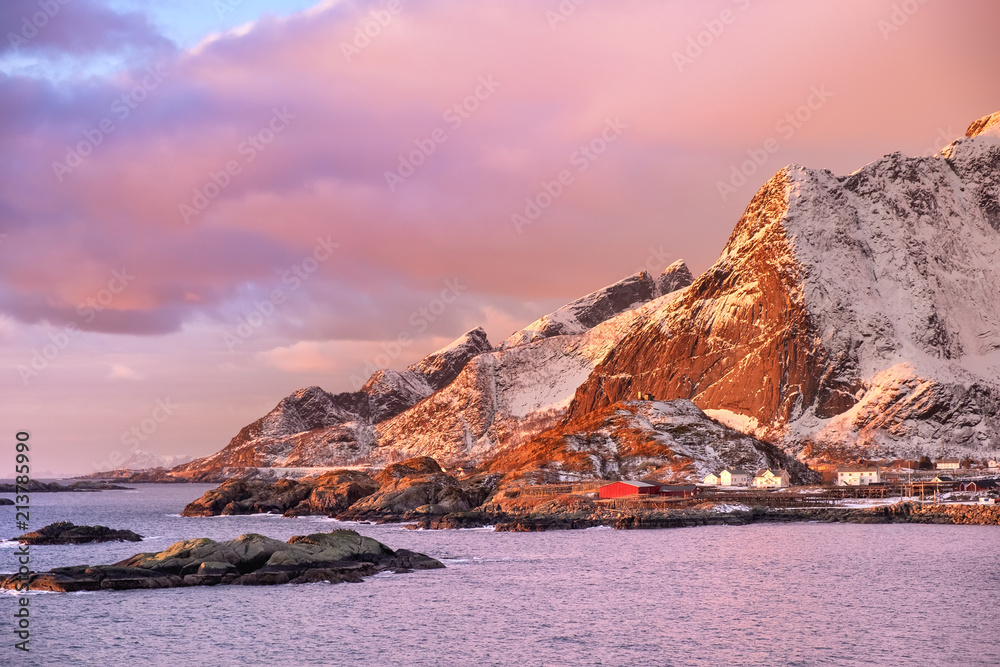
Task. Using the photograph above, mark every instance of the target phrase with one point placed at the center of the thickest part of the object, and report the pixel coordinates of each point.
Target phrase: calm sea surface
(800, 594)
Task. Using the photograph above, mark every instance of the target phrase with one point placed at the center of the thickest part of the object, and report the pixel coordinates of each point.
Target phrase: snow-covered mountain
(848, 316)
(460, 404)
(142, 460)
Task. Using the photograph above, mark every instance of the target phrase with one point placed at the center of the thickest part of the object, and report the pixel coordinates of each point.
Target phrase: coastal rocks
(419, 486)
(249, 497)
(65, 532)
(334, 492)
(101, 577)
(415, 487)
(982, 515)
(249, 560)
(327, 494)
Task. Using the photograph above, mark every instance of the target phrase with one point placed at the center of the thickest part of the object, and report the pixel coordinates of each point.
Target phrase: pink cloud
(552, 91)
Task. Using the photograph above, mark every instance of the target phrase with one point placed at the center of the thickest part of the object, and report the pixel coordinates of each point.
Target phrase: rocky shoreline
(419, 492)
(685, 518)
(249, 560)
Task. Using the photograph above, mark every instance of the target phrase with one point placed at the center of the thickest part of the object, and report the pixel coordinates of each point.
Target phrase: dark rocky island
(249, 560)
(34, 486)
(66, 532)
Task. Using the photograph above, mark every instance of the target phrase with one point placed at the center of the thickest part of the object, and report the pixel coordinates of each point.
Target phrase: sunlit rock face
(848, 316)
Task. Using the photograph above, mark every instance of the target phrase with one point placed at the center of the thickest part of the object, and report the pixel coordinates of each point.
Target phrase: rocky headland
(249, 560)
(412, 488)
(34, 486)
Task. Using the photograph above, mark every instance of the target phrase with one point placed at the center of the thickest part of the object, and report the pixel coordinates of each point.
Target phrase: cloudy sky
(207, 205)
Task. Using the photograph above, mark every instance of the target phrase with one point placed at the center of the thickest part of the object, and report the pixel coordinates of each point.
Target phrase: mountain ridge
(847, 316)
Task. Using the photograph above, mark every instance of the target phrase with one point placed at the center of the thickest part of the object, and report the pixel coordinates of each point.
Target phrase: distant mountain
(848, 316)
(141, 460)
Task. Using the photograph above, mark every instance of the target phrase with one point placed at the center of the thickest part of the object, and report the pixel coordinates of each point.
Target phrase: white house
(857, 476)
(771, 479)
(734, 477)
(947, 464)
(711, 479)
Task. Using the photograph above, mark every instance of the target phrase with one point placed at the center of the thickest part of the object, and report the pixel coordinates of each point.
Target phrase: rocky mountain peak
(981, 125)
(441, 367)
(674, 277)
(600, 306)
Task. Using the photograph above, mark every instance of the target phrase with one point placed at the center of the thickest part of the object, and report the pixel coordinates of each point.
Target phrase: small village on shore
(863, 484)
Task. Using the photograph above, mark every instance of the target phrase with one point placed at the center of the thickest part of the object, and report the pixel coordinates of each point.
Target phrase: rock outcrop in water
(66, 532)
(249, 560)
(419, 486)
(328, 494)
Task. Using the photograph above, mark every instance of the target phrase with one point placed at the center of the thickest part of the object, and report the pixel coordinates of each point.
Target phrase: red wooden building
(624, 489)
